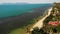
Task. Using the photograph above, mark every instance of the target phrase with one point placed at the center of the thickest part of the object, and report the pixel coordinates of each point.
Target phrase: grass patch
(18, 31)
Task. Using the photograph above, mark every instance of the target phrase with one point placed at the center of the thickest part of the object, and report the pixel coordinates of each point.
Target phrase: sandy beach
(39, 24)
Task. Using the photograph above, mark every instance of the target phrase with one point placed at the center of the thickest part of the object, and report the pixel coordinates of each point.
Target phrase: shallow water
(17, 9)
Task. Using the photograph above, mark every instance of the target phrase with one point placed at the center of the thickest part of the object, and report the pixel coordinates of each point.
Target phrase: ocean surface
(13, 16)
(7, 10)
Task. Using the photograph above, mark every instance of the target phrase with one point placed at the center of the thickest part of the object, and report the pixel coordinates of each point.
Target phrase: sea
(7, 10)
(14, 16)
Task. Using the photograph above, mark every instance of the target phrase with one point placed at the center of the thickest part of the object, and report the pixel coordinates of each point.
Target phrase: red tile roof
(55, 23)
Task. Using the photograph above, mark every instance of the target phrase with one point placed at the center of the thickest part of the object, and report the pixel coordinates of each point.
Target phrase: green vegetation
(45, 30)
(39, 31)
(50, 29)
(18, 31)
(36, 31)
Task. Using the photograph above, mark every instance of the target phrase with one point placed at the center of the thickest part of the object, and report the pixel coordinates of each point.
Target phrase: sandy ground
(39, 24)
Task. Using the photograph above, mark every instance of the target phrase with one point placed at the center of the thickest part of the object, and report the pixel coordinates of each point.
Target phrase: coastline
(39, 24)
(18, 21)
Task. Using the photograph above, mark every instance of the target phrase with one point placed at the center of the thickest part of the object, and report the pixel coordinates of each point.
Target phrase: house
(53, 23)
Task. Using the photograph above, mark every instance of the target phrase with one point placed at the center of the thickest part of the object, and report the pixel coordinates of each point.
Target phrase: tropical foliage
(51, 23)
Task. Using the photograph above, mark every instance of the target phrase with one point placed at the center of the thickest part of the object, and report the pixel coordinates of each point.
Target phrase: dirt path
(39, 24)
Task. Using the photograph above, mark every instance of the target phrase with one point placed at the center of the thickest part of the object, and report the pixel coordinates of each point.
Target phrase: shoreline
(39, 24)
(10, 24)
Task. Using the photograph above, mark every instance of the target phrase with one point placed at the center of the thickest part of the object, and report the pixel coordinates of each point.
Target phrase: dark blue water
(17, 9)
